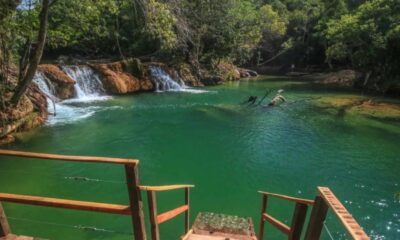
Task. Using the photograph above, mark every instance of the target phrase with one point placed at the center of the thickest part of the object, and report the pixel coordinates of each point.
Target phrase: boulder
(117, 80)
(63, 84)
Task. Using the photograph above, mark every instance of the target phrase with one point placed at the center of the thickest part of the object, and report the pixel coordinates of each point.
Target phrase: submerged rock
(372, 108)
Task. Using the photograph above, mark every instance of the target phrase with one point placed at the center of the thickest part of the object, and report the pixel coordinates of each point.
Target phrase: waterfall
(163, 81)
(45, 86)
(88, 85)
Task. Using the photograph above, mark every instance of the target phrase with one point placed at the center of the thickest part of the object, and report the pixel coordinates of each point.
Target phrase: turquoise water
(229, 151)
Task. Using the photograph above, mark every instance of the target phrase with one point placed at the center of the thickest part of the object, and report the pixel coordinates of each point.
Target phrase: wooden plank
(67, 204)
(263, 209)
(187, 213)
(278, 224)
(317, 218)
(135, 201)
(164, 188)
(151, 197)
(298, 219)
(187, 235)
(4, 226)
(293, 199)
(171, 214)
(67, 158)
(351, 225)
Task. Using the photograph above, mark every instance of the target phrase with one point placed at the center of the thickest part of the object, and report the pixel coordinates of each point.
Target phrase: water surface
(228, 150)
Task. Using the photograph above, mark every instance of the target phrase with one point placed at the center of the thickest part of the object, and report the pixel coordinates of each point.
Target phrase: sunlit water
(228, 150)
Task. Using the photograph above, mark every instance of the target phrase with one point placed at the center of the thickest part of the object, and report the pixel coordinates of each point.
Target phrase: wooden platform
(214, 226)
(15, 237)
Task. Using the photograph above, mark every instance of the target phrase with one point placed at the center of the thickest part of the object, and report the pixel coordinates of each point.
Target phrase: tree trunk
(27, 78)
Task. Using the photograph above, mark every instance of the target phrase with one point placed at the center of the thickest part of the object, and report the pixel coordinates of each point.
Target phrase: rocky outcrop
(117, 80)
(344, 78)
(246, 73)
(64, 85)
(220, 73)
(29, 113)
(188, 76)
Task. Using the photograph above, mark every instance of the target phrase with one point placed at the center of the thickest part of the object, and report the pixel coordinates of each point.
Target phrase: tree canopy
(350, 33)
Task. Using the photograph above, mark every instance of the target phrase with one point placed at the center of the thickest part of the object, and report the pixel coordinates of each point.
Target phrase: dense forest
(312, 34)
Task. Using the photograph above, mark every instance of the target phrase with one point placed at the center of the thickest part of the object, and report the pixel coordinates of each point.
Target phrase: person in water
(278, 99)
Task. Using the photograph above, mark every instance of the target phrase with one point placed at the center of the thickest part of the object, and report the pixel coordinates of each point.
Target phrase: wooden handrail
(351, 225)
(171, 214)
(67, 204)
(278, 224)
(134, 210)
(68, 158)
(293, 199)
(155, 218)
(164, 188)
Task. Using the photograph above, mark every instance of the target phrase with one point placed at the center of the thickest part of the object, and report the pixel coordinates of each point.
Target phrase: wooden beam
(187, 213)
(151, 198)
(4, 226)
(67, 158)
(351, 225)
(171, 214)
(135, 201)
(164, 188)
(278, 224)
(298, 219)
(317, 218)
(293, 199)
(67, 204)
(263, 209)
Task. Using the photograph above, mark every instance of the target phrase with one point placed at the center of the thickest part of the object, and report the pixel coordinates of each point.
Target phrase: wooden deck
(213, 226)
(15, 237)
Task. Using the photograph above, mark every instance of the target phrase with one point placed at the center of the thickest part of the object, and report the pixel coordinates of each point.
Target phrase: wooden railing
(320, 205)
(134, 209)
(300, 212)
(155, 218)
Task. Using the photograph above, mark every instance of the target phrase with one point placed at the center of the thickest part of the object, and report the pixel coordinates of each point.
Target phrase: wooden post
(135, 201)
(317, 218)
(187, 213)
(4, 226)
(263, 209)
(299, 217)
(151, 198)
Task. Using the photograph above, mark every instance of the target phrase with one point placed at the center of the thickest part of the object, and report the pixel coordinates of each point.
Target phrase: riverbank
(55, 83)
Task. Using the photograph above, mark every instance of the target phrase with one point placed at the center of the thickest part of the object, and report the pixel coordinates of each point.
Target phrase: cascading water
(88, 86)
(163, 81)
(45, 86)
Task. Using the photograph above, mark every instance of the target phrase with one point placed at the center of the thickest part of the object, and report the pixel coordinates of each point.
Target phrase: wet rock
(117, 80)
(64, 85)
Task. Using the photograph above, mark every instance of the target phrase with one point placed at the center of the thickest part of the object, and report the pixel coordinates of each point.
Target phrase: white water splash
(70, 110)
(88, 86)
(164, 82)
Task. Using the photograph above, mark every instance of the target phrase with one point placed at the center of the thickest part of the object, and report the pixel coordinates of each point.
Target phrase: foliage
(361, 34)
(366, 38)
